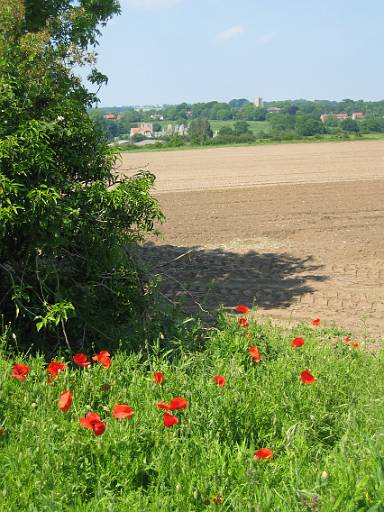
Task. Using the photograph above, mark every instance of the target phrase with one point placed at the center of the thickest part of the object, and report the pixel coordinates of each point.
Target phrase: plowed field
(297, 229)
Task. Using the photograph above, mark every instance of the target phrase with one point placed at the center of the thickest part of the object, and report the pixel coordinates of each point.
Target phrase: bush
(350, 126)
(65, 221)
(138, 137)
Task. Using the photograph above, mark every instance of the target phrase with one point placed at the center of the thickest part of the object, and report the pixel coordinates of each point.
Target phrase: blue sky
(170, 51)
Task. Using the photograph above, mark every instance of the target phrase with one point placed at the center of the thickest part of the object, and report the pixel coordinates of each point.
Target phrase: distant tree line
(290, 119)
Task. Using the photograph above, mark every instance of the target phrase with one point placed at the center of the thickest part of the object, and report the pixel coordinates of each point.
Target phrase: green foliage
(200, 131)
(309, 125)
(138, 137)
(66, 222)
(241, 127)
(281, 122)
(349, 125)
(326, 438)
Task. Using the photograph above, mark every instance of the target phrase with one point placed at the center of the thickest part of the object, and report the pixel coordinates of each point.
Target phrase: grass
(327, 438)
(254, 126)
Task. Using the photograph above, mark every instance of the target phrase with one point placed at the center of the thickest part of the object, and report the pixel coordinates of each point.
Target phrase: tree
(281, 122)
(350, 125)
(308, 125)
(66, 221)
(292, 110)
(241, 127)
(200, 131)
(238, 103)
(226, 131)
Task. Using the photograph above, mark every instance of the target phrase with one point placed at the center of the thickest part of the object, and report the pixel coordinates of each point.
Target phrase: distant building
(258, 102)
(274, 110)
(145, 129)
(174, 129)
(358, 115)
(110, 116)
(341, 116)
(134, 131)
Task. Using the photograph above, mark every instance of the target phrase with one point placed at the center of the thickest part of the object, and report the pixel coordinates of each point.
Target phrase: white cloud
(151, 4)
(265, 39)
(231, 33)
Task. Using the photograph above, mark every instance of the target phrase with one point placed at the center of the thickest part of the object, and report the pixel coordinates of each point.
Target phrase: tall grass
(327, 438)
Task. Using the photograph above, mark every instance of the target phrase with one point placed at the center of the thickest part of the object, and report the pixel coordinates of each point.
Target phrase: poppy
(177, 403)
(103, 358)
(122, 411)
(55, 367)
(297, 342)
(159, 377)
(307, 377)
(263, 453)
(241, 308)
(243, 322)
(99, 428)
(163, 405)
(65, 401)
(355, 344)
(219, 380)
(255, 354)
(316, 322)
(170, 420)
(347, 340)
(19, 371)
(93, 422)
(90, 419)
(81, 359)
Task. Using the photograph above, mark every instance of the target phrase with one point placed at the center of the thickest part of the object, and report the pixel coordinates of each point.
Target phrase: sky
(174, 51)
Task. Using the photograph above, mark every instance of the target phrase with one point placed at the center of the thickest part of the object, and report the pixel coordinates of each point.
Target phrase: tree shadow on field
(200, 280)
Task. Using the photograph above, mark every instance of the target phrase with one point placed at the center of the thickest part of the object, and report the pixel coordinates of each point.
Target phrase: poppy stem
(65, 336)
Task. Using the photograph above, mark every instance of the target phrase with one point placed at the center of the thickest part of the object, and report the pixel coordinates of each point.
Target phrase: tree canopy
(66, 220)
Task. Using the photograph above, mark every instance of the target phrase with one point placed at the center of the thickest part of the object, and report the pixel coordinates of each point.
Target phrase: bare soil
(297, 230)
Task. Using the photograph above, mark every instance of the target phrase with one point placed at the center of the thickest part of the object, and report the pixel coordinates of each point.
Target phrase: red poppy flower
(90, 419)
(241, 309)
(297, 342)
(159, 377)
(19, 371)
(65, 401)
(316, 322)
(99, 428)
(93, 422)
(219, 380)
(255, 354)
(177, 403)
(104, 358)
(163, 405)
(243, 322)
(170, 420)
(347, 340)
(263, 453)
(307, 377)
(81, 359)
(55, 367)
(122, 411)
(355, 344)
